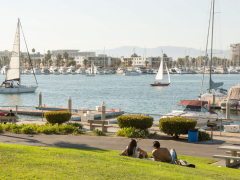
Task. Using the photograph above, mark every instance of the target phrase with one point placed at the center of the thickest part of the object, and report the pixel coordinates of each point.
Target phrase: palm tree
(85, 61)
(33, 50)
(65, 55)
(146, 63)
(130, 63)
(59, 57)
(62, 62)
(50, 62)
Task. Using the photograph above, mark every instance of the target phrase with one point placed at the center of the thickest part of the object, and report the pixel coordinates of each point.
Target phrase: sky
(95, 24)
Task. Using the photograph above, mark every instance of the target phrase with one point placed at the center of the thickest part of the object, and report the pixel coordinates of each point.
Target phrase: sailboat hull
(18, 89)
(160, 84)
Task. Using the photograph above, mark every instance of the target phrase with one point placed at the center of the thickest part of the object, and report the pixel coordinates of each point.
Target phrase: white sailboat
(13, 74)
(91, 74)
(215, 94)
(159, 77)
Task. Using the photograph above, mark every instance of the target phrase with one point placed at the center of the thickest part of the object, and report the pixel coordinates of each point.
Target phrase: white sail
(159, 75)
(13, 72)
(168, 74)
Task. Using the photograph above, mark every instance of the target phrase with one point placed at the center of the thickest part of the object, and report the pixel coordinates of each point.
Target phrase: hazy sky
(95, 24)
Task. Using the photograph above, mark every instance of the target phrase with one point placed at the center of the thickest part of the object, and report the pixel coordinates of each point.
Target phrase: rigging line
(28, 54)
(206, 46)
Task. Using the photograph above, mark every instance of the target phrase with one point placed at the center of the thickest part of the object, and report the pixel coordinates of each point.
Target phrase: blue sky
(95, 24)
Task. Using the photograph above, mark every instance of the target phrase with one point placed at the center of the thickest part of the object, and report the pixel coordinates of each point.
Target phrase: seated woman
(133, 151)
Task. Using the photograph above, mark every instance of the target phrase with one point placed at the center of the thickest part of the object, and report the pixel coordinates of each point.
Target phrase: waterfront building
(100, 60)
(5, 53)
(153, 62)
(72, 53)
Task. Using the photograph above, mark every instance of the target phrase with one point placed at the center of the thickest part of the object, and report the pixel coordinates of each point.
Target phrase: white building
(72, 53)
(100, 60)
(235, 50)
(5, 53)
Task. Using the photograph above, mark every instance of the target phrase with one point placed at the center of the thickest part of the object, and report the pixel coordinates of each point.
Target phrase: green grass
(30, 162)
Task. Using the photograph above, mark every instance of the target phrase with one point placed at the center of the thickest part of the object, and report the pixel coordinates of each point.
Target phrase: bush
(1, 127)
(28, 130)
(80, 126)
(7, 127)
(59, 117)
(133, 133)
(203, 136)
(176, 125)
(98, 132)
(136, 121)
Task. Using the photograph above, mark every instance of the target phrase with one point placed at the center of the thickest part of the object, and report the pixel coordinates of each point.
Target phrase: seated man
(10, 113)
(1, 113)
(162, 154)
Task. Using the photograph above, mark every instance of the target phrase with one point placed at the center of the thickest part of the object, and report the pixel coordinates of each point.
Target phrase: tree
(33, 50)
(48, 56)
(135, 55)
(115, 62)
(65, 55)
(62, 62)
(180, 61)
(71, 63)
(22, 60)
(85, 61)
(43, 62)
(130, 63)
(193, 60)
(50, 62)
(164, 55)
(38, 61)
(146, 63)
(59, 57)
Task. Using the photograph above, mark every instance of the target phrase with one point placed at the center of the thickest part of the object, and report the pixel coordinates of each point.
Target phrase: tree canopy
(71, 63)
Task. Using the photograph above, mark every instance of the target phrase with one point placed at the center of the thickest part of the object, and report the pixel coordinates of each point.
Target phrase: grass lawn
(30, 162)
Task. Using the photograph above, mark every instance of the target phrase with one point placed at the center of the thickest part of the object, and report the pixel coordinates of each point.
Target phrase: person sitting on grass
(162, 154)
(10, 113)
(133, 151)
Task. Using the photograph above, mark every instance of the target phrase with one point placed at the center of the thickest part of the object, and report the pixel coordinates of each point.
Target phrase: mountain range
(171, 51)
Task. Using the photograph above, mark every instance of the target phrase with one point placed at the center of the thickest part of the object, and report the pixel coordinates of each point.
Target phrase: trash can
(192, 135)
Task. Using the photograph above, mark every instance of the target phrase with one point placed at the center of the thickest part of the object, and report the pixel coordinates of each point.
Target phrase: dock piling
(69, 104)
(40, 99)
(103, 111)
(228, 110)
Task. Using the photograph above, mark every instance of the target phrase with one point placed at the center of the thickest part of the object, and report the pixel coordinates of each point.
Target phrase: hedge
(136, 121)
(59, 117)
(176, 125)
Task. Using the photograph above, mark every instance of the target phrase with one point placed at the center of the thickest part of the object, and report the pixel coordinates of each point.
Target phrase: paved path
(182, 147)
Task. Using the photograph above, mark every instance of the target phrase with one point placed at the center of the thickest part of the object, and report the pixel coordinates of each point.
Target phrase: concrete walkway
(206, 149)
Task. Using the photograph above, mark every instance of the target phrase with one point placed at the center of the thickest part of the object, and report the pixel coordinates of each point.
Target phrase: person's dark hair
(132, 144)
(10, 110)
(156, 144)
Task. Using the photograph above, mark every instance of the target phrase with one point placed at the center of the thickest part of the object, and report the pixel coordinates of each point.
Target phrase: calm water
(129, 93)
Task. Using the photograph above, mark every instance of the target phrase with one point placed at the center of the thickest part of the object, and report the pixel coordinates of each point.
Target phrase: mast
(210, 77)
(19, 49)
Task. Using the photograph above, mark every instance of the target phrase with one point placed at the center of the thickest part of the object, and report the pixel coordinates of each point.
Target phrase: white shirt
(135, 152)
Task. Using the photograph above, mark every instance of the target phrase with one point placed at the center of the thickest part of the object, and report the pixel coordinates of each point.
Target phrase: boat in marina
(4, 70)
(215, 92)
(13, 73)
(159, 77)
(233, 97)
(81, 71)
(37, 71)
(90, 73)
(45, 71)
(63, 70)
(121, 70)
(194, 109)
(131, 72)
(54, 70)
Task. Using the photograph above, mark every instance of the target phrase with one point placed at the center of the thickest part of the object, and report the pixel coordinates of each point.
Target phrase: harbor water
(129, 93)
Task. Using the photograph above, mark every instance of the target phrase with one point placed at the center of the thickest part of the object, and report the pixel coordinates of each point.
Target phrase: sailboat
(91, 71)
(215, 94)
(13, 74)
(159, 77)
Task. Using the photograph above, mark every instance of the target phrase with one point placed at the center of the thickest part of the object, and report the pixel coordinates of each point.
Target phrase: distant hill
(171, 51)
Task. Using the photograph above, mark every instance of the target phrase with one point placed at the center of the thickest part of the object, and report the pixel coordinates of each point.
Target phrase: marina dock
(77, 113)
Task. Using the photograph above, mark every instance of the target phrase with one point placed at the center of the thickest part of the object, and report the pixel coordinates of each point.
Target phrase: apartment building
(234, 50)
(72, 53)
(100, 60)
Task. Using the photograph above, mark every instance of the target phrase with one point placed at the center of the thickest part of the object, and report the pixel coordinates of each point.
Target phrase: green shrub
(136, 121)
(28, 130)
(176, 125)
(98, 132)
(59, 117)
(1, 127)
(203, 136)
(7, 127)
(133, 132)
(63, 129)
(15, 128)
(80, 126)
